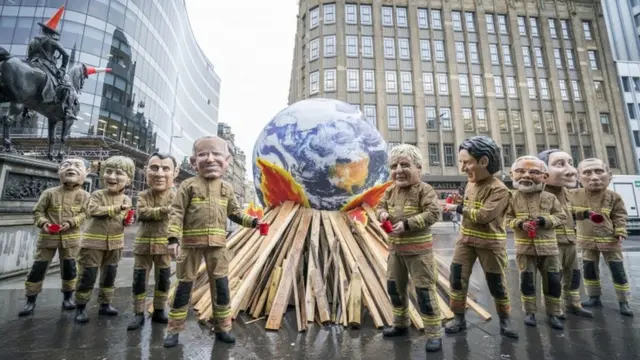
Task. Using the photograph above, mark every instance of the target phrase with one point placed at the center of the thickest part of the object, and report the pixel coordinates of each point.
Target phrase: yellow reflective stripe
(178, 315)
(535, 241)
(400, 311)
(175, 229)
(45, 236)
(581, 208)
(565, 231)
(207, 231)
(223, 202)
(140, 296)
(475, 203)
(624, 287)
(419, 221)
(591, 282)
(484, 235)
(114, 237)
(596, 239)
(140, 240)
(410, 240)
(199, 201)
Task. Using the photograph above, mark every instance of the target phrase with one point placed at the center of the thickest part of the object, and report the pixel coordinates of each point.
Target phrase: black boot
(29, 306)
(579, 311)
(226, 337)
(107, 310)
(624, 309)
(67, 302)
(433, 345)
(555, 323)
(81, 314)
(530, 319)
(395, 331)
(171, 340)
(159, 316)
(456, 325)
(562, 316)
(594, 301)
(137, 322)
(506, 329)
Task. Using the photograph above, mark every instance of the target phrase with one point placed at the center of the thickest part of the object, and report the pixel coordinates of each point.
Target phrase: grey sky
(250, 43)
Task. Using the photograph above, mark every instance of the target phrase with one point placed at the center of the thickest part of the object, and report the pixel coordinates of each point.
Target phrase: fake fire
(279, 186)
(254, 210)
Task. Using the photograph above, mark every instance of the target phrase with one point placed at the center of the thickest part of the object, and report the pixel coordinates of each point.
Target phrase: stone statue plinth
(22, 180)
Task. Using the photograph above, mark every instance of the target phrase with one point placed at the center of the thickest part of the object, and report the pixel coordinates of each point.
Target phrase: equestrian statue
(39, 84)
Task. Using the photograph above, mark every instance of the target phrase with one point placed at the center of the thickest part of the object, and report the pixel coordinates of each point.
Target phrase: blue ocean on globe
(328, 147)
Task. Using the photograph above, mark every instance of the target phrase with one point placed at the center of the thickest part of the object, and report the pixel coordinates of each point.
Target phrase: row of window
(526, 25)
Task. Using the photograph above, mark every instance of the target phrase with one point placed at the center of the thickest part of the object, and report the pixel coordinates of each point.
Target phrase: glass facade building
(162, 91)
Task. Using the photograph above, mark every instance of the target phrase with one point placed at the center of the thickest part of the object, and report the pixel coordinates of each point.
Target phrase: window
(502, 120)
(537, 124)
(401, 16)
(570, 63)
(434, 154)
(527, 56)
(367, 47)
(575, 86)
(351, 11)
(365, 14)
(352, 46)
(449, 158)
(531, 85)
(436, 19)
(313, 17)
(391, 81)
(329, 46)
(583, 127)
(329, 13)
(445, 118)
(464, 84)
(491, 28)
(558, 57)
(425, 50)
(506, 55)
(586, 28)
(493, 51)
(552, 28)
(636, 83)
(506, 155)
(533, 24)
(353, 81)
(599, 88)
(570, 128)
(636, 137)
(612, 157)
(430, 113)
(314, 82)
(575, 154)
(314, 49)
(443, 84)
(423, 19)
(544, 89)
(516, 120)
(625, 84)
(481, 120)
(497, 82)
(563, 90)
(478, 87)
(588, 153)
(387, 16)
(473, 53)
(539, 59)
(564, 25)
(522, 26)
(471, 25)
(520, 151)
(392, 117)
(369, 80)
(540, 148)
(502, 24)
(439, 50)
(329, 80)
(403, 48)
(467, 119)
(427, 82)
(409, 120)
(389, 48)
(604, 122)
(370, 114)
(512, 90)
(631, 108)
(406, 83)
(456, 18)
(550, 122)
(460, 55)
(593, 59)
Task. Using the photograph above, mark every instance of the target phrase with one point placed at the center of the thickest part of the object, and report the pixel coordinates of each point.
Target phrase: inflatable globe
(320, 153)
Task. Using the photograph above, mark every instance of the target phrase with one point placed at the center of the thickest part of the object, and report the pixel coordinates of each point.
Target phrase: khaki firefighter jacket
(601, 236)
(105, 229)
(58, 205)
(565, 233)
(153, 226)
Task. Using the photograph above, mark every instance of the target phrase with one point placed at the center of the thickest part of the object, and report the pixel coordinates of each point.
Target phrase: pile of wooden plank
(327, 264)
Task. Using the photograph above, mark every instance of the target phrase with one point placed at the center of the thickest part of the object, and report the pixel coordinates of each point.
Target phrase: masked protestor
(482, 232)
(59, 214)
(533, 214)
(197, 228)
(150, 248)
(562, 178)
(412, 207)
(601, 227)
(103, 238)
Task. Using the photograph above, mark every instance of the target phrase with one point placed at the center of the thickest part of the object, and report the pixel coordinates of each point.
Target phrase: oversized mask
(528, 174)
(210, 157)
(561, 170)
(161, 172)
(594, 174)
(117, 173)
(73, 171)
(479, 158)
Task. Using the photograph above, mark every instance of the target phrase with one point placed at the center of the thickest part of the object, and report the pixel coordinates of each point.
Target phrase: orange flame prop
(278, 185)
(254, 210)
(359, 215)
(370, 197)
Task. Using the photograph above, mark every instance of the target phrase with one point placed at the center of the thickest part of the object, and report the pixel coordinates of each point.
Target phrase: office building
(237, 170)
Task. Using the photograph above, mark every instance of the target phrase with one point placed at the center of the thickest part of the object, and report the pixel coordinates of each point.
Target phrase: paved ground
(51, 334)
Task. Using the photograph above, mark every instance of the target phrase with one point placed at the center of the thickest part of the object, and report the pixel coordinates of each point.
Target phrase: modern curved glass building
(162, 92)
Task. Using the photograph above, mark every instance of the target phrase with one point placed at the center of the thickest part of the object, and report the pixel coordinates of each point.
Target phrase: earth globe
(323, 150)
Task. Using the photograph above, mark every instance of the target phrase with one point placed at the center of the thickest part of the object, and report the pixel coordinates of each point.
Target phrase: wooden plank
(301, 303)
(273, 288)
(296, 296)
(375, 224)
(355, 300)
(320, 295)
(312, 264)
(445, 311)
(289, 268)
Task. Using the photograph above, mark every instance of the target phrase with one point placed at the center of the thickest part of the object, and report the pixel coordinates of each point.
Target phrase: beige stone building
(530, 74)
(237, 172)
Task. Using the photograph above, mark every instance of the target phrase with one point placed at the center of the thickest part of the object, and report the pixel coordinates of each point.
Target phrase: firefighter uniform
(595, 239)
(539, 253)
(102, 244)
(197, 220)
(58, 205)
(483, 237)
(411, 254)
(150, 248)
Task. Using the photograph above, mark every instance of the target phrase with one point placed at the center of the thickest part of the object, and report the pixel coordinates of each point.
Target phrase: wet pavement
(51, 333)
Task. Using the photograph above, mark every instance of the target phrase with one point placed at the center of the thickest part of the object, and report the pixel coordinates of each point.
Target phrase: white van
(628, 186)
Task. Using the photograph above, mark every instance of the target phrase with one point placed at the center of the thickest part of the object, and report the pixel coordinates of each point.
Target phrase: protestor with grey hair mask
(533, 214)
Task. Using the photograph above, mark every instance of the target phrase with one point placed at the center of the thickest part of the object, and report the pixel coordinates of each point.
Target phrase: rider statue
(43, 53)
